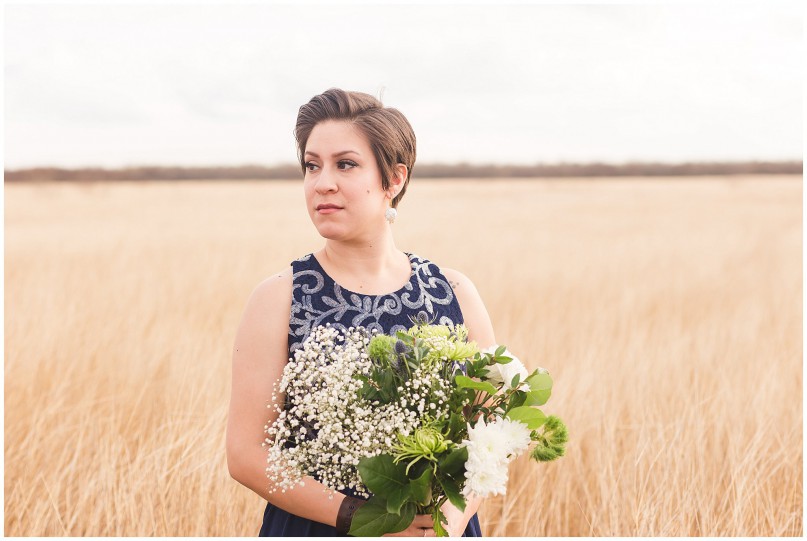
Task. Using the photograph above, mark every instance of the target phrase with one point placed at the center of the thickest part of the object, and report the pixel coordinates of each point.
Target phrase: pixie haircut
(389, 133)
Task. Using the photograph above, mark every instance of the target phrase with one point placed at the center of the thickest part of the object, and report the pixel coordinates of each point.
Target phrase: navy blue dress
(317, 300)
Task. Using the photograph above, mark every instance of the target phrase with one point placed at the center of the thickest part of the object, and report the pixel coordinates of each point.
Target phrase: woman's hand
(422, 526)
(456, 520)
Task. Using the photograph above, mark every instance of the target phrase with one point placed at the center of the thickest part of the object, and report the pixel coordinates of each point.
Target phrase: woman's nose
(325, 182)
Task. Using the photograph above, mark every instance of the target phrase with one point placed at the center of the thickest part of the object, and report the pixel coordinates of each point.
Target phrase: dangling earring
(391, 212)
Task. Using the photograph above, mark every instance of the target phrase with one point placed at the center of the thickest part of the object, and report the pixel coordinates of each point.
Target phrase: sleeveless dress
(317, 300)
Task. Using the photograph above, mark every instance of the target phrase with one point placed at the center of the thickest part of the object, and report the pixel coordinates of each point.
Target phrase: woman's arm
(259, 355)
(480, 330)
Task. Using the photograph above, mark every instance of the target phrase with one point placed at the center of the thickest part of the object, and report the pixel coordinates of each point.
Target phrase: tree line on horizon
(461, 170)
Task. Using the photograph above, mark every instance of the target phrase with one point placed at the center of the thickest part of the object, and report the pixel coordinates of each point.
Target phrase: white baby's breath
(326, 427)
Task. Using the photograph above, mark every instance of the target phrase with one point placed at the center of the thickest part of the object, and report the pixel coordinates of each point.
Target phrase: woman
(357, 158)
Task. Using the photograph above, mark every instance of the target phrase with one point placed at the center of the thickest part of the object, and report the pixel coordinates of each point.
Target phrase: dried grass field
(669, 312)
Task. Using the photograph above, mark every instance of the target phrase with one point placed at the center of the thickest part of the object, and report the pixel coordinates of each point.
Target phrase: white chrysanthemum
(491, 446)
(485, 478)
(515, 433)
(484, 440)
(499, 439)
(504, 373)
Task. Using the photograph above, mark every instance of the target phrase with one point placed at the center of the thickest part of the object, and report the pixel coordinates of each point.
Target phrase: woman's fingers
(422, 526)
(412, 531)
(421, 532)
(423, 521)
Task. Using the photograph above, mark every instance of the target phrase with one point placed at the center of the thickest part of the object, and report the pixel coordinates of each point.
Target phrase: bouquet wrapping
(410, 421)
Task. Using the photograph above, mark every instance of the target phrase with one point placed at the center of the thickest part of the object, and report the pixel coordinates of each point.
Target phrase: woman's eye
(310, 166)
(347, 164)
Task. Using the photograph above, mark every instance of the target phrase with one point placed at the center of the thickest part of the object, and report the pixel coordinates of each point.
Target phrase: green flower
(551, 441)
(425, 443)
(463, 350)
(444, 342)
(381, 347)
(460, 332)
(429, 331)
(430, 441)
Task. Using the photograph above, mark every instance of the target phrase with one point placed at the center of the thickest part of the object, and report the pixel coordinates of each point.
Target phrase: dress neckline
(397, 292)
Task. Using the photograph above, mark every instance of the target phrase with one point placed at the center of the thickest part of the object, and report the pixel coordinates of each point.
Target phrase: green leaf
(396, 499)
(421, 488)
(477, 368)
(417, 469)
(405, 337)
(373, 520)
(540, 382)
(518, 398)
(456, 425)
(515, 380)
(532, 417)
(382, 476)
(369, 393)
(500, 350)
(452, 490)
(468, 383)
(438, 519)
(453, 463)
(537, 398)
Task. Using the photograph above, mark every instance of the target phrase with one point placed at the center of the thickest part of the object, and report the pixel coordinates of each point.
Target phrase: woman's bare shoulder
(465, 290)
(457, 279)
(265, 321)
(272, 295)
(274, 284)
(473, 308)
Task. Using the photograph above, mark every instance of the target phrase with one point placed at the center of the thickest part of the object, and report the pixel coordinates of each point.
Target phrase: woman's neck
(368, 266)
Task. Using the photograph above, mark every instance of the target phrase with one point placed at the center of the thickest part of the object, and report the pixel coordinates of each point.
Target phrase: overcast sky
(113, 85)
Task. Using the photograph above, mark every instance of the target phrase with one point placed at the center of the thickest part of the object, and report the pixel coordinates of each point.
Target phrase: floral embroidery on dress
(317, 299)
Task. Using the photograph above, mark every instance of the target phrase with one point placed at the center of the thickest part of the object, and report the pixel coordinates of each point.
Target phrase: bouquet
(409, 421)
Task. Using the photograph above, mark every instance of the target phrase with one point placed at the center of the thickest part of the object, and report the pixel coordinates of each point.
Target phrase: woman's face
(343, 183)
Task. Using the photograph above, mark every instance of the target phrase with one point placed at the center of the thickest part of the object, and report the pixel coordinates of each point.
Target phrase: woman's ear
(398, 179)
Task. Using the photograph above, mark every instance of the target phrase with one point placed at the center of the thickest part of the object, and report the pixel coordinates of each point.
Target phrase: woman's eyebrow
(335, 154)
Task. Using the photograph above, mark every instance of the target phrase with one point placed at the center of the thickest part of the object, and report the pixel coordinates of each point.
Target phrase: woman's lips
(328, 209)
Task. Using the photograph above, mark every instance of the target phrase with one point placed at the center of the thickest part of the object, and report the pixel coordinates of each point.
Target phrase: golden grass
(667, 310)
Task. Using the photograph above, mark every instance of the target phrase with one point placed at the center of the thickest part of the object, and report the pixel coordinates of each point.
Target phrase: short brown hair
(390, 135)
